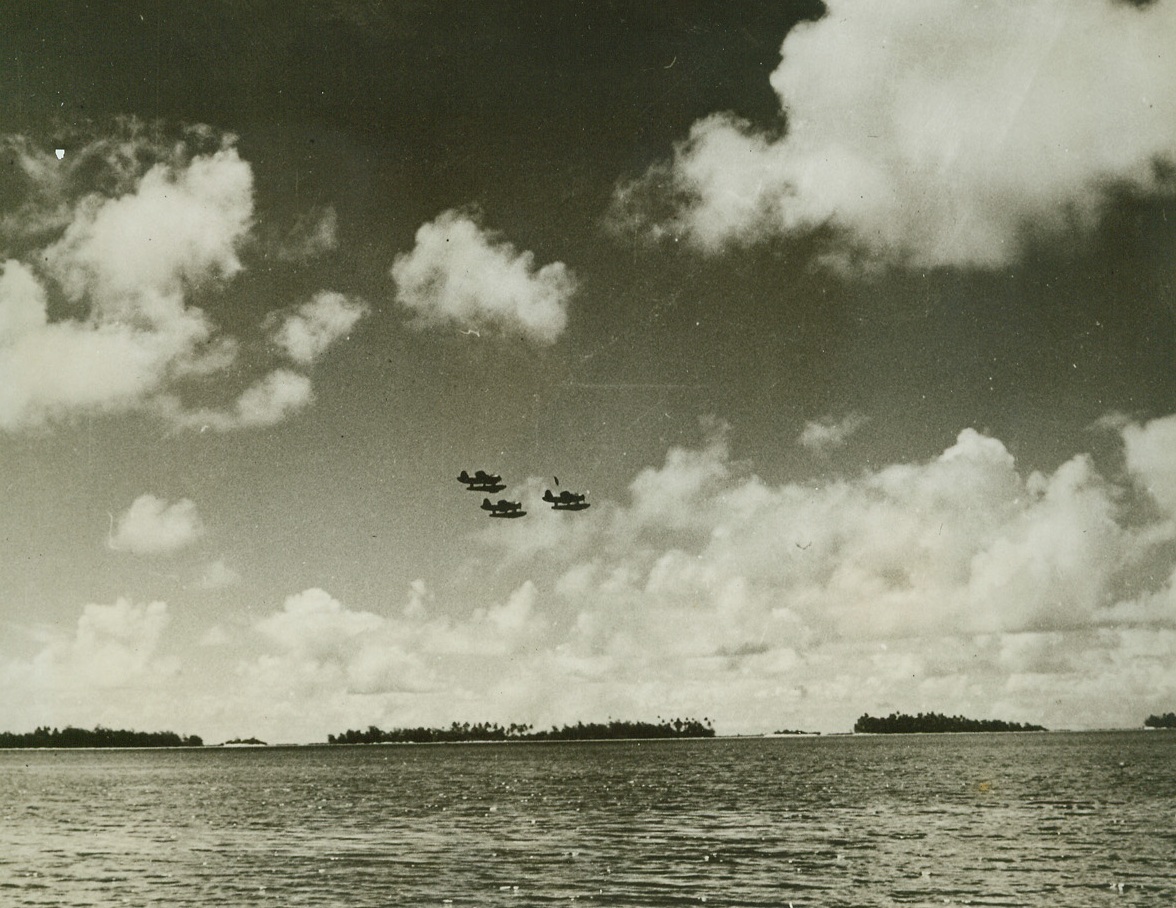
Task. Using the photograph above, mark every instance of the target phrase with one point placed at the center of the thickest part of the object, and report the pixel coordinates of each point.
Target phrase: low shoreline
(768, 736)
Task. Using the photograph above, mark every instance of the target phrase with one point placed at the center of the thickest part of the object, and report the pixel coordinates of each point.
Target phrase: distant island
(900, 723)
(486, 731)
(1167, 720)
(245, 742)
(99, 737)
(794, 731)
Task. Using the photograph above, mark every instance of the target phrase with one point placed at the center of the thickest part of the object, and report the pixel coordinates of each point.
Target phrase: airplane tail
(547, 496)
(486, 504)
(463, 476)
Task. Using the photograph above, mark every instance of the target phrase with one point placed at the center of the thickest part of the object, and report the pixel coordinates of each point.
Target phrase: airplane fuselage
(503, 508)
(565, 501)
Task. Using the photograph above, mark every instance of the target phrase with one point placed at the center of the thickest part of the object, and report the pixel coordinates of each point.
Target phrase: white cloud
(305, 333)
(460, 274)
(271, 400)
(334, 655)
(933, 585)
(113, 646)
(109, 670)
(824, 434)
(328, 650)
(133, 255)
(666, 496)
(314, 623)
(151, 526)
(127, 262)
(51, 369)
(265, 403)
(123, 232)
(933, 133)
(961, 583)
(1149, 454)
(499, 629)
(22, 303)
(47, 197)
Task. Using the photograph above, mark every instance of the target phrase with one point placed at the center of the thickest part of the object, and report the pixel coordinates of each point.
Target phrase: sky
(855, 323)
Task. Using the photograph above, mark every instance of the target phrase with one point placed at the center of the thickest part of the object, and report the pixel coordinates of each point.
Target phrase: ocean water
(1020, 820)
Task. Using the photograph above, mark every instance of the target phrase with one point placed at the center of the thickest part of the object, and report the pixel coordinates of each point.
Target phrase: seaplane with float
(481, 481)
(565, 501)
(503, 508)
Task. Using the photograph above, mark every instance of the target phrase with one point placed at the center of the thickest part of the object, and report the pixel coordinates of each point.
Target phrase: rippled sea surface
(1020, 820)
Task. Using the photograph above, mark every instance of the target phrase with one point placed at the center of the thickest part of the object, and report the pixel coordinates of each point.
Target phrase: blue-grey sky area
(854, 323)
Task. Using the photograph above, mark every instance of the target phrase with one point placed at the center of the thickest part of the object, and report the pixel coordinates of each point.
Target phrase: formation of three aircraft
(482, 481)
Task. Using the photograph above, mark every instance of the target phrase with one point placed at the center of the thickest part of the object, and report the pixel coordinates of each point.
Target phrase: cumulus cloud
(116, 240)
(961, 583)
(958, 583)
(324, 648)
(113, 646)
(1148, 449)
(151, 526)
(822, 435)
(132, 256)
(111, 164)
(52, 369)
(126, 261)
(665, 497)
(946, 584)
(265, 403)
(313, 622)
(458, 273)
(329, 650)
(309, 330)
(961, 542)
(109, 669)
(932, 133)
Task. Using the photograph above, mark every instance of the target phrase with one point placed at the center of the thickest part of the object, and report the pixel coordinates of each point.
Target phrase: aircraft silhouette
(481, 481)
(565, 501)
(503, 508)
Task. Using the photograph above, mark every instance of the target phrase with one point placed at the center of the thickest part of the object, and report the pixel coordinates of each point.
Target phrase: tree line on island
(97, 737)
(900, 723)
(614, 729)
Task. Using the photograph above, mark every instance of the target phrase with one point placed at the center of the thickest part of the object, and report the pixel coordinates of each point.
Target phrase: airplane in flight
(503, 508)
(481, 481)
(565, 501)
